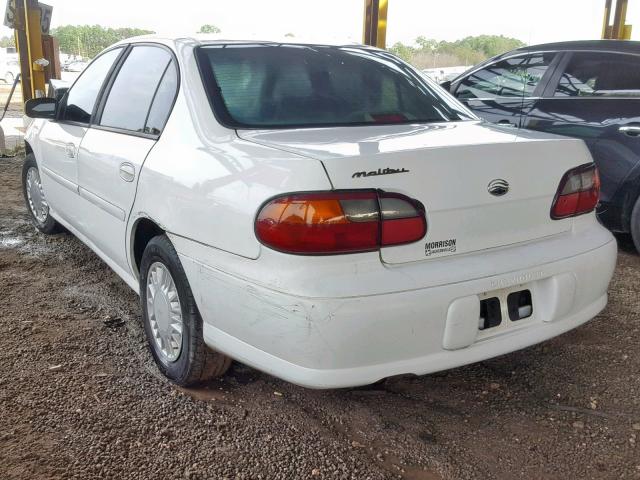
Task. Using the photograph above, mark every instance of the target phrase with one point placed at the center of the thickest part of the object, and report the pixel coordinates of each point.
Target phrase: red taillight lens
(578, 192)
(339, 222)
(403, 219)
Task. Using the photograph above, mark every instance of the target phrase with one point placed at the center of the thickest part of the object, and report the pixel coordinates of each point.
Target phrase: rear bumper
(342, 341)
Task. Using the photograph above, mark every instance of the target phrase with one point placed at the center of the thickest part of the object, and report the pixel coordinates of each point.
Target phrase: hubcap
(164, 312)
(37, 202)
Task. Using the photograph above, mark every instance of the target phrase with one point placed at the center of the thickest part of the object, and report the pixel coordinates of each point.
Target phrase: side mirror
(41, 108)
(446, 85)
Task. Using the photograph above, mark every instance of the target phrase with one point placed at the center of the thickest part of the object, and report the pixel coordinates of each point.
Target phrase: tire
(191, 362)
(9, 78)
(635, 225)
(35, 199)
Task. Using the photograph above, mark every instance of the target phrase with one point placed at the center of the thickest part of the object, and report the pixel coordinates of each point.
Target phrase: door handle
(631, 130)
(506, 122)
(127, 172)
(70, 150)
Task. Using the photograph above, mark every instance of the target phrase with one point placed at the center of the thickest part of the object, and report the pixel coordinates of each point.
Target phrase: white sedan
(320, 212)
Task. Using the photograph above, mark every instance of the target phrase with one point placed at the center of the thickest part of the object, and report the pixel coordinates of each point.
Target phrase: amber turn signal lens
(339, 222)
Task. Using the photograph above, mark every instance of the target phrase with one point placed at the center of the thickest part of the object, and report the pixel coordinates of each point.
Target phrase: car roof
(602, 45)
(623, 46)
(217, 39)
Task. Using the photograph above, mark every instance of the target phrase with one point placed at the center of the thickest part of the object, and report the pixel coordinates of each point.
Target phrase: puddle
(10, 242)
(9, 238)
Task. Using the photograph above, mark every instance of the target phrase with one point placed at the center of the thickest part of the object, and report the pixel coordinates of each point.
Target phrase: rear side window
(590, 74)
(139, 80)
(297, 85)
(512, 77)
(163, 101)
(82, 97)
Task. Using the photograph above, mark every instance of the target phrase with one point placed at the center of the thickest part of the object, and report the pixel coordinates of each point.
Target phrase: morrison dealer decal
(442, 246)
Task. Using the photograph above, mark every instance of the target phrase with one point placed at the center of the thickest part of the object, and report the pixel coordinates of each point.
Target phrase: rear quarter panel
(203, 183)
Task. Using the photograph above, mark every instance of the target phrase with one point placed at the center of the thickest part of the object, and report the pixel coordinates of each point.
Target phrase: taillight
(334, 222)
(578, 192)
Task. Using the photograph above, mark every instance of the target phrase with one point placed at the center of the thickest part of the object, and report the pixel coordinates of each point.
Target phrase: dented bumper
(343, 340)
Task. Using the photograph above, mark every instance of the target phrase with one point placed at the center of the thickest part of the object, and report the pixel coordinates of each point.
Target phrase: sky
(532, 21)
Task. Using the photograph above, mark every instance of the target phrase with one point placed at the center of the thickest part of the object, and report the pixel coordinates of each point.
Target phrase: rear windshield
(279, 85)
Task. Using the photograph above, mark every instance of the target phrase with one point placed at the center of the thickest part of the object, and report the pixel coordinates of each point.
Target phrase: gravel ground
(15, 108)
(81, 398)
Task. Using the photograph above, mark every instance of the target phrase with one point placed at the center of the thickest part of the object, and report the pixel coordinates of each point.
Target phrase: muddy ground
(81, 398)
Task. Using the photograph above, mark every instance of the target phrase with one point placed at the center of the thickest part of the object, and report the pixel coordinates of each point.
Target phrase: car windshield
(283, 85)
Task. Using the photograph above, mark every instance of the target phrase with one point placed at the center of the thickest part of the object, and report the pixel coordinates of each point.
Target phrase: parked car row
(445, 73)
(75, 66)
(9, 70)
(324, 213)
(588, 90)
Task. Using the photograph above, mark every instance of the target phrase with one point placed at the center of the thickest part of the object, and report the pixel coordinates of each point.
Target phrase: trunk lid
(450, 168)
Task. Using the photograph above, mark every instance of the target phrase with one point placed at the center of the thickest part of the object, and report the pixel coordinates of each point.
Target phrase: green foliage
(405, 52)
(8, 41)
(428, 53)
(207, 28)
(89, 40)
(490, 45)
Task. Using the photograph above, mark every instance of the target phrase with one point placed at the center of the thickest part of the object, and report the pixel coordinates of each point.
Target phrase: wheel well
(144, 231)
(630, 192)
(27, 148)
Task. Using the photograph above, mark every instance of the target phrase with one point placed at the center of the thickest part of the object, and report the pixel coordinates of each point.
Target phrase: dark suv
(589, 90)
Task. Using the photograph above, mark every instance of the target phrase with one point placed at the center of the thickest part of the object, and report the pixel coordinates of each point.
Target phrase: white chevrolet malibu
(320, 212)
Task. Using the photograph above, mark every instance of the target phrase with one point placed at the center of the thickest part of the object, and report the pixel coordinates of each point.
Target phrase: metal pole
(618, 30)
(619, 19)
(29, 43)
(374, 32)
(27, 32)
(607, 17)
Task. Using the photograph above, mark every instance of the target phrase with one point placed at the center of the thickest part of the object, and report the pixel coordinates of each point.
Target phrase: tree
(405, 52)
(207, 28)
(8, 41)
(427, 43)
(89, 40)
(428, 52)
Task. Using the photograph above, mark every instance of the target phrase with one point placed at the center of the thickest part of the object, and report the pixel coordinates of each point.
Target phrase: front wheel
(172, 323)
(35, 198)
(635, 225)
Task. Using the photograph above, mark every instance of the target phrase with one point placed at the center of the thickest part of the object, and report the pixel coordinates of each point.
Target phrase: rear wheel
(9, 78)
(172, 323)
(635, 225)
(35, 198)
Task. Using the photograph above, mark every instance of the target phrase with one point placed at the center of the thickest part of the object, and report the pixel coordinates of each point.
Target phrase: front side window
(276, 85)
(512, 77)
(134, 89)
(590, 74)
(82, 96)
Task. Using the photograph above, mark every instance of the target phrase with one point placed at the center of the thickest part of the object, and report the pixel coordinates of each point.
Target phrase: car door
(131, 116)
(501, 91)
(595, 96)
(59, 140)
